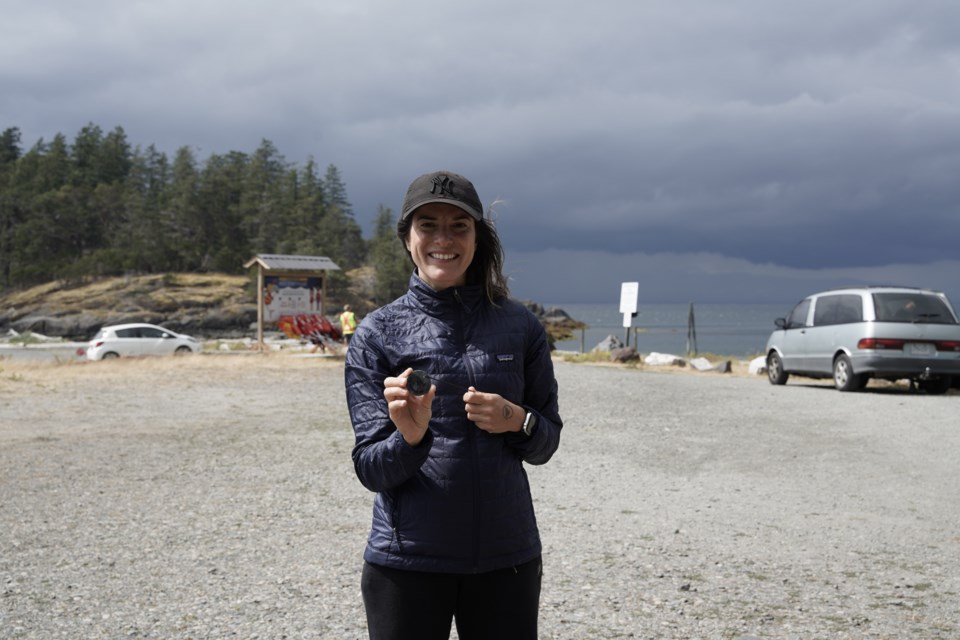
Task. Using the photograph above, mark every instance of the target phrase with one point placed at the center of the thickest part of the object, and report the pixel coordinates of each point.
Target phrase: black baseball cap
(442, 186)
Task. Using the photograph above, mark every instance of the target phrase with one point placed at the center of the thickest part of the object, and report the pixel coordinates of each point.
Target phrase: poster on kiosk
(291, 296)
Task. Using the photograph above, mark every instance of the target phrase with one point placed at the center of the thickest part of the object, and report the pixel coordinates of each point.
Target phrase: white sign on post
(628, 301)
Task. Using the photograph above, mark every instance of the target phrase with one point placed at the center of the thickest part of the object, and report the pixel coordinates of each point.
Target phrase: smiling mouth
(443, 256)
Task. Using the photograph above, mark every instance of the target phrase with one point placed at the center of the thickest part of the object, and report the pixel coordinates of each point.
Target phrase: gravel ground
(213, 497)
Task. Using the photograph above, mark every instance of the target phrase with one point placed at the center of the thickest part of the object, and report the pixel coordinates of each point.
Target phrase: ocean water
(736, 330)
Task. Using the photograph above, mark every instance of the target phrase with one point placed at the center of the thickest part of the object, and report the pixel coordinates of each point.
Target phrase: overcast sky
(744, 150)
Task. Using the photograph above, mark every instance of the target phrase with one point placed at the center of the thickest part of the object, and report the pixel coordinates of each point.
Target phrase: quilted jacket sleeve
(381, 457)
(540, 397)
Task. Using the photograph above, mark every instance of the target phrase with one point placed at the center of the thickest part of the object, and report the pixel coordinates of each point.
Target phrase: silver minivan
(852, 335)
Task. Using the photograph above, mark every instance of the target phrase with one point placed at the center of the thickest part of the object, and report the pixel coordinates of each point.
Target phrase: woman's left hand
(492, 413)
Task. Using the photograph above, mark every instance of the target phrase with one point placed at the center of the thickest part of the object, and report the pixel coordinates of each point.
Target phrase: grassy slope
(159, 293)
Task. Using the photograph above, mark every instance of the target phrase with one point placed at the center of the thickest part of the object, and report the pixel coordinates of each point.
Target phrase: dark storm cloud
(804, 142)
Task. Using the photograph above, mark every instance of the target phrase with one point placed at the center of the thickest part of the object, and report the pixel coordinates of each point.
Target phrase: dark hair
(487, 266)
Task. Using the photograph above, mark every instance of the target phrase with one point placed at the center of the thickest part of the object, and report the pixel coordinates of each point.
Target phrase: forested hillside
(75, 214)
(100, 205)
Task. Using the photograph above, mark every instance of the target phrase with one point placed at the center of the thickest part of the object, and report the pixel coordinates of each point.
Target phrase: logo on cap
(445, 186)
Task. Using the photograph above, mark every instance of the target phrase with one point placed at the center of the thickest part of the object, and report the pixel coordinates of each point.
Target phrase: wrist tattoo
(507, 412)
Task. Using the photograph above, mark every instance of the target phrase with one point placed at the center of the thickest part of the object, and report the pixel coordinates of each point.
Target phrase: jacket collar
(467, 297)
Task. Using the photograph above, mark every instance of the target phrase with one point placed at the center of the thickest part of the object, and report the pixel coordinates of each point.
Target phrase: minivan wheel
(843, 376)
(775, 372)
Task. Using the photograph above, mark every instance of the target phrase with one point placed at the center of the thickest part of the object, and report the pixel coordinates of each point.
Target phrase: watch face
(528, 423)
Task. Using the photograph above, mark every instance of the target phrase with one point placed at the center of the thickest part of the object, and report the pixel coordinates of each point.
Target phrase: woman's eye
(458, 228)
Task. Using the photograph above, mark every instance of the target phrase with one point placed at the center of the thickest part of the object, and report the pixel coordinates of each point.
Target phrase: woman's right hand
(411, 414)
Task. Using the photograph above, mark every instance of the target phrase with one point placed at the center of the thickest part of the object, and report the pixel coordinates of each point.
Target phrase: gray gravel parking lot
(214, 497)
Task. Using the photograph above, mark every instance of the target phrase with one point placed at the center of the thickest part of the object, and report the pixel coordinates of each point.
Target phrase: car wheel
(843, 376)
(182, 351)
(110, 355)
(936, 386)
(775, 372)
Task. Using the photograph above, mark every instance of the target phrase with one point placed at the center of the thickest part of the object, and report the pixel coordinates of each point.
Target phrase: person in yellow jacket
(348, 323)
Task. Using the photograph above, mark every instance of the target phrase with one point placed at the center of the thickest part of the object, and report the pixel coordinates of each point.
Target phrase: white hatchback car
(855, 334)
(138, 340)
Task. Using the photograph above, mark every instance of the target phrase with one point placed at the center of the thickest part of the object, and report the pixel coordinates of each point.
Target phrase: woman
(454, 534)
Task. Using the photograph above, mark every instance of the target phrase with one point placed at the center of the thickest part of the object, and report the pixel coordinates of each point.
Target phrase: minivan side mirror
(781, 323)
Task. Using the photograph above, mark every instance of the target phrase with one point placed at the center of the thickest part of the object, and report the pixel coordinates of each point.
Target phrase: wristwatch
(529, 423)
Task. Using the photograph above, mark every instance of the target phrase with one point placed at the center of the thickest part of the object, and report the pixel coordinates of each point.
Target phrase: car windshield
(912, 306)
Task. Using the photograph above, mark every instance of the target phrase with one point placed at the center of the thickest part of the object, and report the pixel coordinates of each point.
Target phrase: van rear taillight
(890, 344)
(880, 343)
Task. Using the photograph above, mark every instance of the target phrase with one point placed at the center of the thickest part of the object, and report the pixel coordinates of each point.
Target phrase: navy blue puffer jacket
(459, 501)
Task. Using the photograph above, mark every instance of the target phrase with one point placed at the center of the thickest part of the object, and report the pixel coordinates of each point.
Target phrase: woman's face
(442, 241)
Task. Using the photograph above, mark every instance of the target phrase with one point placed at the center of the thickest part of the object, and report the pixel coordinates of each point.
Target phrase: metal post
(691, 333)
(260, 344)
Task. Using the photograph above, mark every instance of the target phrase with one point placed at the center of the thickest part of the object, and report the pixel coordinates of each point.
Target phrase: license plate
(920, 348)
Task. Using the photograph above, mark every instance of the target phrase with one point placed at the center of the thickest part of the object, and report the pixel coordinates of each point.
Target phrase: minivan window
(911, 306)
(838, 309)
(798, 317)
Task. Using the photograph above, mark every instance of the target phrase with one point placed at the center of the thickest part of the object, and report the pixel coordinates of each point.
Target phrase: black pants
(499, 605)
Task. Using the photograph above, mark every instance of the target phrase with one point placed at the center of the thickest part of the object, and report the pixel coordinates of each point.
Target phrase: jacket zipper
(472, 432)
(395, 524)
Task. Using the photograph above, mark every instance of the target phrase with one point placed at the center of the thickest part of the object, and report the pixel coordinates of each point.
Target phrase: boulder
(47, 325)
(609, 343)
(723, 367)
(624, 354)
(758, 366)
(662, 359)
(702, 364)
(557, 322)
(553, 314)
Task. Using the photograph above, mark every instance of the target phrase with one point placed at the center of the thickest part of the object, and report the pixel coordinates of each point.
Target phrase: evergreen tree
(336, 190)
(114, 158)
(345, 243)
(310, 207)
(54, 165)
(179, 223)
(85, 154)
(9, 154)
(261, 204)
(9, 146)
(220, 203)
(106, 249)
(391, 264)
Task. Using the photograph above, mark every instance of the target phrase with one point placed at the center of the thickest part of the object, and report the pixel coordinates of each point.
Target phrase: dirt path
(214, 496)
